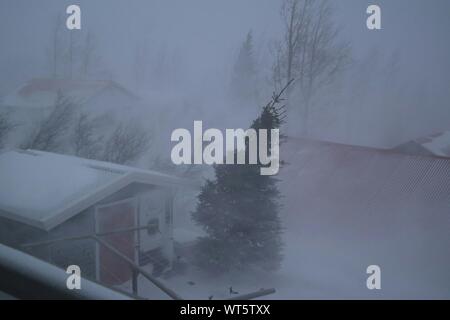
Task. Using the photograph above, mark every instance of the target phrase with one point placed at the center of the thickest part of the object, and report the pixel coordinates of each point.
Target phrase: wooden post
(135, 275)
(253, 295)
(144, 273)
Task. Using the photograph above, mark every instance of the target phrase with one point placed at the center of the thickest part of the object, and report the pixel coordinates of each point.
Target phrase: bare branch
(6, 126)
(85, 140)
(126, 144)
(50, 133)
(310, 51)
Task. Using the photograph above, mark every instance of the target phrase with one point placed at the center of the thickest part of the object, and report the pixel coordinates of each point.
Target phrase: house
(42, 92)
(437, 144)
(35, 99)
(51, 205)
(348, 207)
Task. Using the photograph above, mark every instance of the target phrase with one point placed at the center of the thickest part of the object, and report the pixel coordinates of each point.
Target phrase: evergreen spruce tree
(239, 211)
(244, 72)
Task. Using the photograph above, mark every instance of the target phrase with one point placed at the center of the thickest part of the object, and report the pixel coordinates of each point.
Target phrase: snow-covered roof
(45, 189)
(42, 92)
(437, 144)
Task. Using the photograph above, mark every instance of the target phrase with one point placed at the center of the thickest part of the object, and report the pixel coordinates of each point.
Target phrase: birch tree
(311, 51)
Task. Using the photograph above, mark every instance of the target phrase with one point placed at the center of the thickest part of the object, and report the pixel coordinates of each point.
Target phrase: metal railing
(26, 277)
(135, 268)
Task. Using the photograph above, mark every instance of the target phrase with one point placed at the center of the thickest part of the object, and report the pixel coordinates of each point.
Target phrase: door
(151, 214)
(111, 269)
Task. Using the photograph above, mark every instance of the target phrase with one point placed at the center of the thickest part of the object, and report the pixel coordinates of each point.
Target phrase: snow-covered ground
(344, 209)
(312, 269)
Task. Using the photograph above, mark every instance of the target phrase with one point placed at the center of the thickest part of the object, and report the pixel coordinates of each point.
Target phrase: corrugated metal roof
(347, 207)
(347, 181)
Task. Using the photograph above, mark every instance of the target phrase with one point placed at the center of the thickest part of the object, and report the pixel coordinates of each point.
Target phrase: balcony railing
(25, 277)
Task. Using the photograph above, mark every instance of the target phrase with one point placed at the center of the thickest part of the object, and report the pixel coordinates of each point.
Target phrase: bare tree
(86, 140)
(243, 80)
(57, 47)
(67, 53)
(50, 133)
(140, 65)
(310, 51)
(87, 54)
(6, 126)
(126, 144)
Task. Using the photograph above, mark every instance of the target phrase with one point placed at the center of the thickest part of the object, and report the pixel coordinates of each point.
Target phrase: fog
(178, 61)
(198, 42)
